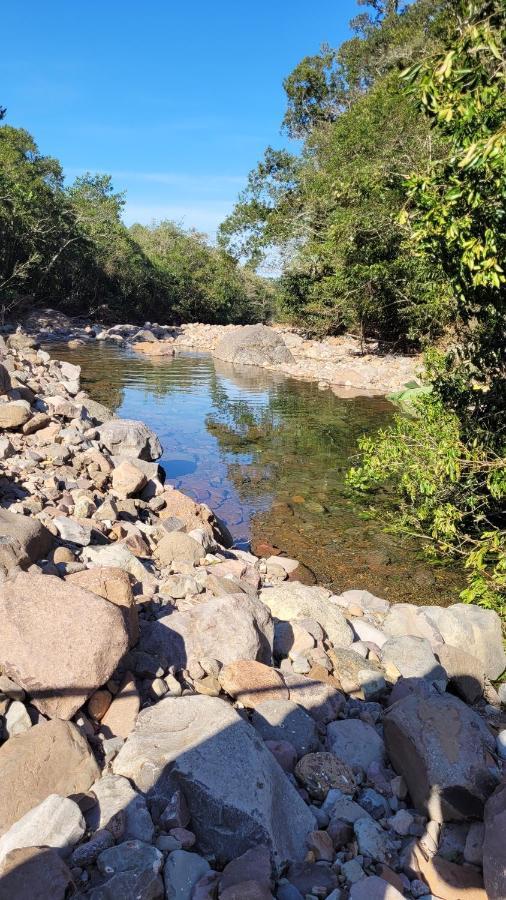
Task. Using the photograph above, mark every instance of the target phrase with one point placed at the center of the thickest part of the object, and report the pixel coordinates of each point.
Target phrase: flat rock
(252, 683)
(59, 642)
(34, 873)
(284, 720)
(56, 822)
(50, 758)
(130, 438)
(441, 747)
(290, 601)
(355, 743)
(237, 794)
(225, 628)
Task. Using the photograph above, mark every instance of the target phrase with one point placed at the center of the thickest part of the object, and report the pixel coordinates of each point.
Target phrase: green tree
(449, 462)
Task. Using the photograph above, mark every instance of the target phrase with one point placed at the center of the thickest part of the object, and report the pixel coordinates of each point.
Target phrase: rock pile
(182, 720)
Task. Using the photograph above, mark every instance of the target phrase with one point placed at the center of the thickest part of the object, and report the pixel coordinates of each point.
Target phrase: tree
(449, 463)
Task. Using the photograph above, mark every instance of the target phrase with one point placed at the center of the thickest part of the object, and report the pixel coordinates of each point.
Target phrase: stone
(284, 753)
(321, 846)
(86, 854)
(450, 880)
(252, 683)
(224, 628)
(73, 531)
(130, 438)
(355, 743)
(120, 718)
(129, 856)
(414, 658)
(254, 865)
(112, 584)
(475, 628)
(34, 538)
(178, 547)
(176, 814)
(311, 878)
(373, 841)
(465, 672)
(56, 822)
(356, 675)
(5, 380)
(17, 719)
(368, 633)
(98, 704)
(181, 873)
(405, 618)
(283, 720)
(128, 480)
(36, 873)
(247, 890)
(253, 345)
(97, 411)
(115, 795)
(374, 888)
(352, 871)
(50, 758)
(473, 850)
(145, 885)
(319, 772)
(363, 600)
(320, 699)
(441, 748)
(14, 414)
(229, 779)
(290, 601)
(494, 849)
(59, 642)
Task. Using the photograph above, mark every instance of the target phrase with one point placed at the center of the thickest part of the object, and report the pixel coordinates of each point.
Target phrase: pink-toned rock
(99, 703)
(58, 641)
(252, 683)
(120, 718)
(112, 584)
(152, 348)
(127, 479)
(448, 880)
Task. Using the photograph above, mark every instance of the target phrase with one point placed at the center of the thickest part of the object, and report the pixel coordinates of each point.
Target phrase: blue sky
(176, 100)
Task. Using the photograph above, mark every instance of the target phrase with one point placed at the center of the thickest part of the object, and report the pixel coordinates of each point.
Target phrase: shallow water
(269, 455)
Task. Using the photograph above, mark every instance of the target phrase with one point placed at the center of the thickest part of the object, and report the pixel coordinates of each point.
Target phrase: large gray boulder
(290, 601)
(477, 629)
(253, 345)
(226, 628)
(58, 641)
(237, 794)
(129, 437)
(442, 749)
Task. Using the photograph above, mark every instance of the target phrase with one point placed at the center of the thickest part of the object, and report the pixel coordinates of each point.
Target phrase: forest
(386, 213)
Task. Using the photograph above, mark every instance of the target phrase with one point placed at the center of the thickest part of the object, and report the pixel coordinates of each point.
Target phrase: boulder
(252, 683)
(14, 414)
(58, 641)
(73, 531)
(127, 479)
(465, 672)
(442, 748)
(357, 675)
(129, 438)
(181, 873)
(319, 698)
(118, 802)
(56, 822)
(406, 618)
(97, 411)
(237, 794)
(474, 628)
(290, 601)
(414, 658)
(225, 628)
(283, 720)
(253, 345)
(121, 716)
(34, 872)
(112, 584)
(355, 743)
(50, 758)
(494, 847)
(33, 538)
(178, 547)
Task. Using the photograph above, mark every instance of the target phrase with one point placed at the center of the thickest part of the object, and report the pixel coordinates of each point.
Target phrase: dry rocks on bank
(183, 720)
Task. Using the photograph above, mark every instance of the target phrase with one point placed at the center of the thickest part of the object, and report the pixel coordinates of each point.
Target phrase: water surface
(269, 455)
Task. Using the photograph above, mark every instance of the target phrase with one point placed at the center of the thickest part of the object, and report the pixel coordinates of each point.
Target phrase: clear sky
(176, 100)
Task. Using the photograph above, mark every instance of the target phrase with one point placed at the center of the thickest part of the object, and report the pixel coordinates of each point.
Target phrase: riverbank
(158, 690)
(336, 362)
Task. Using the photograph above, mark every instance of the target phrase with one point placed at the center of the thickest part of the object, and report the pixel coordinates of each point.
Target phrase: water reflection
(269, 455)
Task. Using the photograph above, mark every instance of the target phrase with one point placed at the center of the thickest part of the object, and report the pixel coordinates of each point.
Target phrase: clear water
(269, 455)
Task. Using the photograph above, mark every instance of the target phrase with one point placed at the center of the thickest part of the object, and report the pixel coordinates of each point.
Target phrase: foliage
(68, 247)
(449, 462)
(331, 212)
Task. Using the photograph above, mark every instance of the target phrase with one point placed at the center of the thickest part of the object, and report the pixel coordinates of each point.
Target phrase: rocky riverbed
(182, 720)
(339, 362)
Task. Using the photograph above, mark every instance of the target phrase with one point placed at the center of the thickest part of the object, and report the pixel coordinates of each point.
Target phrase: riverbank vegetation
(68, 248)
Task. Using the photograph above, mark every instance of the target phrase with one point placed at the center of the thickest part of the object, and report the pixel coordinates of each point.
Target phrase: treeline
(332, 210)
(67, 247)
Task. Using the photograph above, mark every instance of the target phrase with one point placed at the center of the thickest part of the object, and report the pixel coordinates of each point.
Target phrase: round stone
(319, 772)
